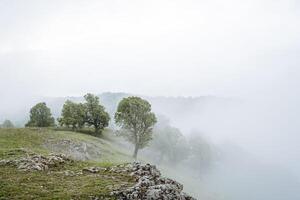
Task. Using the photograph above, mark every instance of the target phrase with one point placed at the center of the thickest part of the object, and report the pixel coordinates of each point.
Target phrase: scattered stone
(150, 185)
(92, 169)
(37, 162)
(5, 162)
(69, 173)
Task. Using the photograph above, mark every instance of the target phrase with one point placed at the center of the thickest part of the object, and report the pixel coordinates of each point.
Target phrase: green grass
(14, 141)
(34, 140)
(17, 138)
(54, 184)
(104, 134)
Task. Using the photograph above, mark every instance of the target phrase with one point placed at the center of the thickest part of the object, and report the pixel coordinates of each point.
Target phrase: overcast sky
(190, 47)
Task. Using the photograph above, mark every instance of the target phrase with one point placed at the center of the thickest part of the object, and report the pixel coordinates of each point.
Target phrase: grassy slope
(54, 184)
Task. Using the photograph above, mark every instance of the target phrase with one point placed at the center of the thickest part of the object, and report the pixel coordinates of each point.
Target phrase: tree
(95, 113)
(40, 116)
(169, 143)
(7, 124)
(73, 114)
(202, 151)
(135, 116)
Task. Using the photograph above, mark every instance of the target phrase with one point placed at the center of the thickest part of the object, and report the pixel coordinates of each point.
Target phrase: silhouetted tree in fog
(7, 124)
(169, 143)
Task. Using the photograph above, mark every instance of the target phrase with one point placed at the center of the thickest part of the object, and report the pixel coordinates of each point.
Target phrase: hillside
(50, 164)
(18, 143)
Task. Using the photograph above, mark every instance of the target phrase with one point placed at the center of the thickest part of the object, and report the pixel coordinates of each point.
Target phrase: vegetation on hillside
(57, 182)
(79, 115)
(95, 113)
(135, 117)
(73, 115)
(171, 148)
(40, 116)
(75, 135)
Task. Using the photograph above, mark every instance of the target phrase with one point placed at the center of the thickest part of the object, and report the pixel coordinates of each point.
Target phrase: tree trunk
(136, 149)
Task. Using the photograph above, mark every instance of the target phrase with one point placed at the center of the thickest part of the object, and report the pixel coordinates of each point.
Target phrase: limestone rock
(92, 169)
(150, 185)
(37, 162)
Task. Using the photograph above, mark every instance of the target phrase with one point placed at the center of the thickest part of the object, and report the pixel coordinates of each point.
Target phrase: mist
(256, 150)
(226, 71)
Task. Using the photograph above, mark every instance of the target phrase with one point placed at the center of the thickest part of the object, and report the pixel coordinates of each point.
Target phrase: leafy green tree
(40, 116)
(95, 113)
(73, 114)
(7, 124)
(134, 115)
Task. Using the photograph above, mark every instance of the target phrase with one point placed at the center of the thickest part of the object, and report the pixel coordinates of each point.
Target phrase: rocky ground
(77, 150)
(37, 162)
(80, 167)
(149, 184)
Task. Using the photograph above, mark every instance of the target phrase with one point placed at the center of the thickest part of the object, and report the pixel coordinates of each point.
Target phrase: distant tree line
(170, 147)
(87, 114)
(133, 116)
(7, 124)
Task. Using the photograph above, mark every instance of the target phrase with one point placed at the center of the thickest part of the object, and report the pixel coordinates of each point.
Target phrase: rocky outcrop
(76, 150)
(149, 184)
(37, 162)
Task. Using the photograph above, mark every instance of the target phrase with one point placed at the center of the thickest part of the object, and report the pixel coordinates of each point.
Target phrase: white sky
(191, 48)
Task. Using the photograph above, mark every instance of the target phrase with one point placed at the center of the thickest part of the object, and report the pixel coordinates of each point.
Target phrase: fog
(244, 53)
(257, 142)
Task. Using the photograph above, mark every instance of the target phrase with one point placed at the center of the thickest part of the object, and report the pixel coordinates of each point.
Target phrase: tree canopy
(95, 113)
(134, 115)
(73, 115)
(89, 113)
(40, 116)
